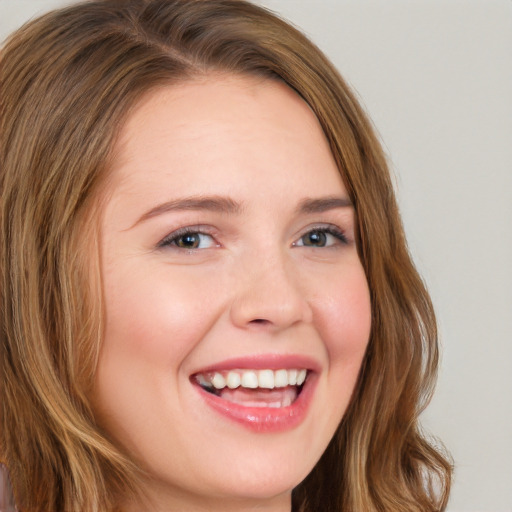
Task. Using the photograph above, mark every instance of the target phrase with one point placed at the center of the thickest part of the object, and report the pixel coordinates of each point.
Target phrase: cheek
(344, 318)
(154, 320)
(156, 315)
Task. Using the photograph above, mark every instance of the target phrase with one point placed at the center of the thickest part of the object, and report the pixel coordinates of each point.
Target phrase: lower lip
(264, 419)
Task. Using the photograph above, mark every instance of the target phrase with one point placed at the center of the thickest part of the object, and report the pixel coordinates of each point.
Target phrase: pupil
(189, 241)
(316, 238)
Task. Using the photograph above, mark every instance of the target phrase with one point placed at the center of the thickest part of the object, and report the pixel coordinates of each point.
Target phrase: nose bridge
(268, 292)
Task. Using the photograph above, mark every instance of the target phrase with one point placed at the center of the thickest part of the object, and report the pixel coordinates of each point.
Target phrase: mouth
(262, 399)
(255, 388)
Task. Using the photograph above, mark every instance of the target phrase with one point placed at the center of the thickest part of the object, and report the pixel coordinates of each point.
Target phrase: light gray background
(436, 77)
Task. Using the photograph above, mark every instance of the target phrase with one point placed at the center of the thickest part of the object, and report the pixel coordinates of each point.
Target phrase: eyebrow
(225, 205)
(323, 204)
(218, 204)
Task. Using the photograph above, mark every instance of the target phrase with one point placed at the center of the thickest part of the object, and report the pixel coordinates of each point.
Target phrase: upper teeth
(252, 379)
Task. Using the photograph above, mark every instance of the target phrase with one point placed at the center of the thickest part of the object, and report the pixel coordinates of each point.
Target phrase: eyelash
(327, 230)
(172, 238)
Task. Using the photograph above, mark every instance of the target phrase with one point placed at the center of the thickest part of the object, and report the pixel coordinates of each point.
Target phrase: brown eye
(188, 241)
(315, 239)
(322, 237)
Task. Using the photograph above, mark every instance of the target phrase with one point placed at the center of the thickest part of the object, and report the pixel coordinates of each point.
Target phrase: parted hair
(67, 82)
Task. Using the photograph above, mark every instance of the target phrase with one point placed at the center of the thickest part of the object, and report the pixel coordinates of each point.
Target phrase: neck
(184, 502)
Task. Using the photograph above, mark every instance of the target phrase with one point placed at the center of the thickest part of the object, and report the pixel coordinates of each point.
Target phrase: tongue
(281, 397)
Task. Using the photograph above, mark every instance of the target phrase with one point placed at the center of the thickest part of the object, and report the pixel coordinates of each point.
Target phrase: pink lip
(262, 362)
(265, 419)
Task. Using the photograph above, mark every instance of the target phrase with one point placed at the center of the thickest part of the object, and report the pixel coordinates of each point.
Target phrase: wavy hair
(68, 81)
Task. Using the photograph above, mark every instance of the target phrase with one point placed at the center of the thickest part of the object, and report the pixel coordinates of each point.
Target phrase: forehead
(222, 128)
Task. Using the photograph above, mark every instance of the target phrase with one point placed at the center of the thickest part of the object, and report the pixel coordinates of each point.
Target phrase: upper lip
(263, 362)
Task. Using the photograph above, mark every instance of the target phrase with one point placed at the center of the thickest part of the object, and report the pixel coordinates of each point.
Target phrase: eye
(321, 237)
(188, 239)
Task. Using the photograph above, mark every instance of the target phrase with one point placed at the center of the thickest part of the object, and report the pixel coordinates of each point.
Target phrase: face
(237, 310)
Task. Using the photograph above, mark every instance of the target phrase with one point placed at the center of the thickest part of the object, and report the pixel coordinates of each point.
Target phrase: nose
(269, 295)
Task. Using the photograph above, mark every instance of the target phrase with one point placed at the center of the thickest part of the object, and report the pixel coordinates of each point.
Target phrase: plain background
(436, 78)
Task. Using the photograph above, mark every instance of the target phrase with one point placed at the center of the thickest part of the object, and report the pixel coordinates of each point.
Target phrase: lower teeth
(276, 403)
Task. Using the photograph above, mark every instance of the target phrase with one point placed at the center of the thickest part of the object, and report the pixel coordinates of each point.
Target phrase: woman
(207, 300)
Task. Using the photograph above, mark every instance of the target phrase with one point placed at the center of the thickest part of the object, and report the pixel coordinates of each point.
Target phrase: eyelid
(177, 233)
(330, 229)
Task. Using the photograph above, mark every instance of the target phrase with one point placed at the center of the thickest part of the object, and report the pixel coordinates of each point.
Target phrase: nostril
(260, 307)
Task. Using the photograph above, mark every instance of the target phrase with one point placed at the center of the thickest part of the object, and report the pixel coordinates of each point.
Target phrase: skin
(253, 286)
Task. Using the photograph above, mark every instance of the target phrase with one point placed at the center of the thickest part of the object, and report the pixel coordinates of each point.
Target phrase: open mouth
(255, 388)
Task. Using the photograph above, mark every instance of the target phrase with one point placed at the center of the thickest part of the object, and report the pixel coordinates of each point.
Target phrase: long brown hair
(67, 81)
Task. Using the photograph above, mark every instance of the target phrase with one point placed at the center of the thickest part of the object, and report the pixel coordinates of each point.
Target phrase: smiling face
(237, 310)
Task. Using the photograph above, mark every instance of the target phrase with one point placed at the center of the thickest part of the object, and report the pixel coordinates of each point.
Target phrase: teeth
(301, 377)
(280, 378)
(249, 380)
(233, 380)
(292, 377)
(266, 379)
(201, 379)
(276, 405)
(252, 379)
(218, 381)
